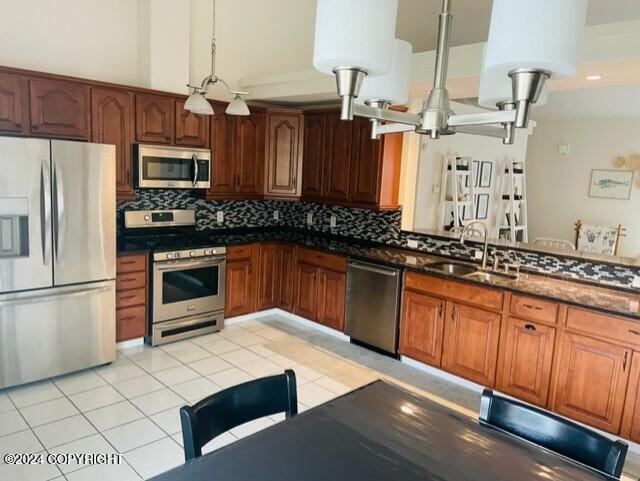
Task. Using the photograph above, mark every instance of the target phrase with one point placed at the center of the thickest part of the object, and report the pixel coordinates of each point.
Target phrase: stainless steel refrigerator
(57, 257)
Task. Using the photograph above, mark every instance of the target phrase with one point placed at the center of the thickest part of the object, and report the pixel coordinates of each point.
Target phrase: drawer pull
(128, 318)
(131, 296)
(624, 362)
(127, 263)
(126, 281)
(530, 327)
(531, 306)
(633, 331)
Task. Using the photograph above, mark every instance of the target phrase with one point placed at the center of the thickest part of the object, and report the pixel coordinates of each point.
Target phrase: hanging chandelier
(529, 43)
(197, 102)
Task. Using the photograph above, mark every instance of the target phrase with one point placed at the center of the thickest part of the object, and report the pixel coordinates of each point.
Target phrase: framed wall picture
(485, 174)
(482, 206)
(474, 174)
(611, 184)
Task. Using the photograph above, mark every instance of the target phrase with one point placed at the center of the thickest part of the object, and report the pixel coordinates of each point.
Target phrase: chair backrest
(554, 243)
(234, 406)
(553, 432)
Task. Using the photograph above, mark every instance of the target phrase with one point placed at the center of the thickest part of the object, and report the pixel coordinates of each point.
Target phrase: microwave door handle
(45, 212)
(194, 158)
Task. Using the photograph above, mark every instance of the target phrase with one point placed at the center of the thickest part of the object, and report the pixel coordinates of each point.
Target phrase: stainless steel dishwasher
(373, 300)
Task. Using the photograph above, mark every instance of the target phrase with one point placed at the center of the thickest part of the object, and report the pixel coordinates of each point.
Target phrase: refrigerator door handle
(45, 212)
(58, 199)
(194, 158)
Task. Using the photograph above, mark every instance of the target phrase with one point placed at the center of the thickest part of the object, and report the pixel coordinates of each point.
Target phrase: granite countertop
(607, 299)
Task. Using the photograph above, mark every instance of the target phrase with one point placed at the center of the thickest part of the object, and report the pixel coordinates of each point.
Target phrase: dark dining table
(381, 432)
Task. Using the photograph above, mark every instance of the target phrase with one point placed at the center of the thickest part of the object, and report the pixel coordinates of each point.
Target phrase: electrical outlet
(636, 282)
(276, 215)
(412, 260)
(220, 217)
(412, 243)
(309, 218)
(435, 189)
(477, 255)
(333, 221)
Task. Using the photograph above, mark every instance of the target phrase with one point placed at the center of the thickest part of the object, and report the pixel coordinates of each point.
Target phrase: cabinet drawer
(322, 259)
(133, 297)
(239, 252)
(131, 263)
(597, 324)
(133, 280)
(131, 323)
(467, 293)
(534, 308)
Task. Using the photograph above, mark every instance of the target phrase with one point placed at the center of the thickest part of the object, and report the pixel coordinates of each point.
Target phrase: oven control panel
(191, 253)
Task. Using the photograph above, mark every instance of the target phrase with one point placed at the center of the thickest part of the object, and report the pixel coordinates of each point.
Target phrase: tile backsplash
(365, 225)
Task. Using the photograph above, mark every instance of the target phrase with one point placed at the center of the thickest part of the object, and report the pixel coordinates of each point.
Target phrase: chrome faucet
(486, 238)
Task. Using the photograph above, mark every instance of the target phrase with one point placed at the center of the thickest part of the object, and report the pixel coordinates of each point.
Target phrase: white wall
(558, 185)
(88, 38)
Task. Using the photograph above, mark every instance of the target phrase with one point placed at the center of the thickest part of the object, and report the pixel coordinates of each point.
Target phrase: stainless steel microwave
(172, 167)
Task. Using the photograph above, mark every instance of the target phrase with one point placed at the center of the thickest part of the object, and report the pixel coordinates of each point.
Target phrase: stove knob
(207, 252)
(176, 255)
(169, 255)
(147, 218)
(192, 253)
(213, 252)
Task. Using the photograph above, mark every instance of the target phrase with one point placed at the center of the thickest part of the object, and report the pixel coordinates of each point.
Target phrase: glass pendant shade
(197, 104)
(394, 86)
(355, 33)
(238, 107)
(539, 34)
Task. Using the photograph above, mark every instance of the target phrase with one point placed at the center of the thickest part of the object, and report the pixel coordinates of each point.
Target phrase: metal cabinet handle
(440, 306)
(633, 331)
(124, 298)
(530, 327)
(453, 313)
(129, 318)
(531, 306)
(624, 362)
(366, 267)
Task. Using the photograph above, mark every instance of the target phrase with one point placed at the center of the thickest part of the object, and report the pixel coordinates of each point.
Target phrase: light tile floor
(131, 407)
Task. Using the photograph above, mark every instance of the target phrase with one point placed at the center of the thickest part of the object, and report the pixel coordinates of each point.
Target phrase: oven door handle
(178, 265)
(194, 159)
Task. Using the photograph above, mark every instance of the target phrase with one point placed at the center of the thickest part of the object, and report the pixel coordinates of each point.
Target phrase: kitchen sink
(454, 268)
(490, 276)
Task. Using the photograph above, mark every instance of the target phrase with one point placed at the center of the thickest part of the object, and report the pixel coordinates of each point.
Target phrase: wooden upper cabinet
(14, 113)
(312, 165)
(154, 119)
(337, 158)
(284, 149)
(223, 160)
(250, 152)
(331, 298)
(422, 327)
(111, 120)
(470, 347)
(591, 381)
(59, 109)
(526, 360)
(191, 130)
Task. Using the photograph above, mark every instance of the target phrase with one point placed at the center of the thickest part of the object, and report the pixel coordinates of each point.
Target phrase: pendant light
(197, 102)
(354, 39)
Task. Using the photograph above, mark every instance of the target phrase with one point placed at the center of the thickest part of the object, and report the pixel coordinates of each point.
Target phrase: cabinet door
(270, 270)
(526, 357)
(337, 157)
(223, 131)
(331, 298)
(59, 109)
(250, 153)
(111, 124)
(470, 347)
(154, 119)
(306, 291)
(422, 327)
(13, 104)
(283, 154)
(366, 166)
(287, 280)
(191, 129)
(591, 381)
(313, 159)
(238, 288)
(631, 417)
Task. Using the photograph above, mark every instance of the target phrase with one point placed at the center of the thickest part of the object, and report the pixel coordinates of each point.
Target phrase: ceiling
(418, 19)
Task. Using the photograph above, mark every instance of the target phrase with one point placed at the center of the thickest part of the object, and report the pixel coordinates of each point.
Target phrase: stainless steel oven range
(187, 275)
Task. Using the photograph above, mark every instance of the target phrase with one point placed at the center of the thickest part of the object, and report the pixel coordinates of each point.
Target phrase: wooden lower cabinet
(631, 419)
(470, 347)
(131, 297)
(306, 303)
(270, 272)
(526, 358)
(422, 327)
(592, 381)
(331, 298)
(240, 288)
(287, 280)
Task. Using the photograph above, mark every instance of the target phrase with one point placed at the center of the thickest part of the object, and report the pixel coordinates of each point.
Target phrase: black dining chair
(234, 406)
(554, 433)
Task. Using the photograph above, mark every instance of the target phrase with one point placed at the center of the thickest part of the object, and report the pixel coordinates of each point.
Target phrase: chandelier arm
(484, 118)
(483, 130)
(386, 115)
(213, 42)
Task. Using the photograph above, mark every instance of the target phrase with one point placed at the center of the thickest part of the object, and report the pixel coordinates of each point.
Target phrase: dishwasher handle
(370, 268)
